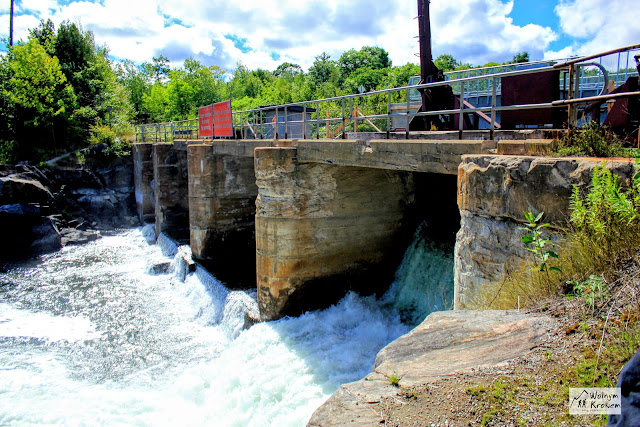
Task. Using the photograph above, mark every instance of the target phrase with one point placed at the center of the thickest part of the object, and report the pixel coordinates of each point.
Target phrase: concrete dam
(308, 220)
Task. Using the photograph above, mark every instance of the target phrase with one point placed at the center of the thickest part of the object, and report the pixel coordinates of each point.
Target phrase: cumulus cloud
(265, 33)
(481, 31)
(599, 25)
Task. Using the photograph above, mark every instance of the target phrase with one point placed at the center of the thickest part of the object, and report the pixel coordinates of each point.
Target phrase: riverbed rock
(445, 343)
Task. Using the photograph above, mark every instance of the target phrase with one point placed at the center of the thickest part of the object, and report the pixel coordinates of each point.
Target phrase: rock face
(494, 192)
(25, 204)
(445, 343)
(324, 229)
(43, 209)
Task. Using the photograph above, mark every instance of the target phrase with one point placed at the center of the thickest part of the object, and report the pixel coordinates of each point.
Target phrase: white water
(88, 337)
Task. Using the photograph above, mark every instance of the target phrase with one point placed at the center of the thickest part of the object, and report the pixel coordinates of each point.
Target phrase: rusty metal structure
(434, 98)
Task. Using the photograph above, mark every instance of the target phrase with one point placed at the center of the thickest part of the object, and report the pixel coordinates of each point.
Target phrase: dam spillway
(322, 217)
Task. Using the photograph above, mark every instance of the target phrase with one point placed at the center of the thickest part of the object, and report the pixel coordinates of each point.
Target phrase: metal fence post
(389, 115)
(494, 104)
(461, 114)
(304, 121)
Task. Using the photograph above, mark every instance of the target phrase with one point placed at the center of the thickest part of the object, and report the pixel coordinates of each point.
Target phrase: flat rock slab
(446, 343)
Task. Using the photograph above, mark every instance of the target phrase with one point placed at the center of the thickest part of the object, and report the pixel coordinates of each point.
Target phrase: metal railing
(390, 110)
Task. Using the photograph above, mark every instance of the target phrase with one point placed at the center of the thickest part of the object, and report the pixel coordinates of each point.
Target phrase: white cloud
(481, 31)
(475, 31)
(599, 25)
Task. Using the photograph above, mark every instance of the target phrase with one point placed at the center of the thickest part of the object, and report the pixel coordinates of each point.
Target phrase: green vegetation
(536, 244)
(593, 140)
(597, 288)
(61, 92)
(394, 380)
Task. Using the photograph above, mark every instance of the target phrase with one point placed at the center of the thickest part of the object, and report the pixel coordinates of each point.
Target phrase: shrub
(602, 235)
(592, 140)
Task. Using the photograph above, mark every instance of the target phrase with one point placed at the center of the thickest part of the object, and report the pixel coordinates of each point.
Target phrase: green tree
(520, 57)
(374, 58)
(159, 69)
(446, 63)
(39, 98)
(156, 103)
(322, 69)
(137, 84)
(287, 70)
(45, 34)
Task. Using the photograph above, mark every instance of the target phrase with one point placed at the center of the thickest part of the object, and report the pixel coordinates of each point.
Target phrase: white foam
(205, 368)
(15, 323)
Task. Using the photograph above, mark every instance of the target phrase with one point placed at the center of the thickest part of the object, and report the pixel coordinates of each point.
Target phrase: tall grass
(603, 234)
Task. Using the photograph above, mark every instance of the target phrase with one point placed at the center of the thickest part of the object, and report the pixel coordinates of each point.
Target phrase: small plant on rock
(394, 380)
(538, 245)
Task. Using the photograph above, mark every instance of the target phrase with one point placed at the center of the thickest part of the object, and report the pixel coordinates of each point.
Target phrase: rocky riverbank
(443, 345)
(45, 208)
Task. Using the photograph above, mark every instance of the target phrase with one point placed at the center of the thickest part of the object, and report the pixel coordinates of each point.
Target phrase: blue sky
(265, 33)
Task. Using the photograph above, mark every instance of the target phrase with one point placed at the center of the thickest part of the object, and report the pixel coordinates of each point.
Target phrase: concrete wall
(142, 177)
(170, 189)
(324, 229)
(222, 195)
(433, 156)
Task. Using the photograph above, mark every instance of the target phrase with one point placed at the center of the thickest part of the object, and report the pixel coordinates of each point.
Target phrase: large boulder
(445, 343)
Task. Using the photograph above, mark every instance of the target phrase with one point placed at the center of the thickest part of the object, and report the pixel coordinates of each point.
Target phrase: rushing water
(92, 336)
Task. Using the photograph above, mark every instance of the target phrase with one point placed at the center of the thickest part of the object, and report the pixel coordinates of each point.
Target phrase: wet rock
(73, 236)
(159, 268)
(447, 342)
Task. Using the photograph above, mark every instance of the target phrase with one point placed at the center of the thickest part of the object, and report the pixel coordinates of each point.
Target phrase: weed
(476, 391)
(593, 289)
(592, 140)
(537, 243)
(394, 380)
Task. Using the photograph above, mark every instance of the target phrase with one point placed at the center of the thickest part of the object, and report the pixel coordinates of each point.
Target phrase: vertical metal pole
(286, 123)
(618, 72)
(304, 121)
(494, 104)
(276, 126)
(350, 114)
(318, 120)
(626, 69)
(327, 124)
(344, 122)
(461, 114)
(406, 130)
(571, 107)
(388, 115)
(11, 26)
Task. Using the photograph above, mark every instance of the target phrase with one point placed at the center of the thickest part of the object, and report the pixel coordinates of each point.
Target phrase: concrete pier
(222, 195)
(170, 187)
(324, 229)
(143, 176)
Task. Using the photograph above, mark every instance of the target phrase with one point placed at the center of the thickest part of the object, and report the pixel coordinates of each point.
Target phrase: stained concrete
(143, 176)
(222, 195)
(324, 229)
(170, 187)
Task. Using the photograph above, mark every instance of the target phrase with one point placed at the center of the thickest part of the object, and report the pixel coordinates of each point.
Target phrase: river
(90, 335)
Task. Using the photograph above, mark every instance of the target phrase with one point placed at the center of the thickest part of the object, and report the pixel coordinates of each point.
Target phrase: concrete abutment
(324, 229)
(222, 196)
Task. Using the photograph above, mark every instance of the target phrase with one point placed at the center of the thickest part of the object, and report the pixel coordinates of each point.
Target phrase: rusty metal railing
(390, 110)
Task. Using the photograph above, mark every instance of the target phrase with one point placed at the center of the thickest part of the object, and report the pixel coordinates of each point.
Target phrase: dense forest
(61, 91)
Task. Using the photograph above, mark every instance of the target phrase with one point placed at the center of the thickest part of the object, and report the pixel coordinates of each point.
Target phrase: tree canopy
(61, 91)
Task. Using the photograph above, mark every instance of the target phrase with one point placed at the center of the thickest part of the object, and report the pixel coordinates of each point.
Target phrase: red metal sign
(222, 120)
(205, 120)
